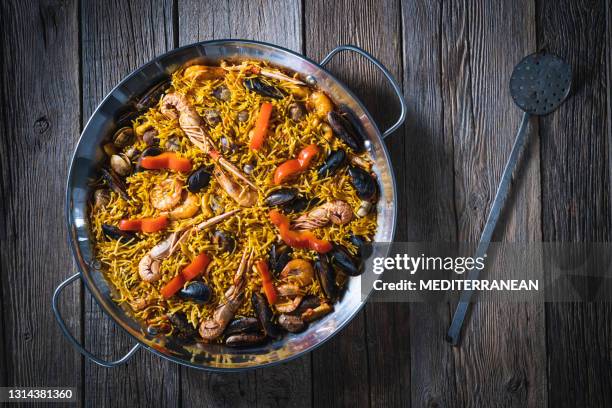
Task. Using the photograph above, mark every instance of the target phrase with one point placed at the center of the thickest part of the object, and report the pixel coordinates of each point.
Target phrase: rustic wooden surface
(453, 58)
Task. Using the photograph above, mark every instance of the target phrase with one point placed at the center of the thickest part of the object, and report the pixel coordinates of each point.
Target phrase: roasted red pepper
(293, 167)
(261, 126)
(144, 224)
(298, 239)
(266, 280)
(167, 160)
(191, 271)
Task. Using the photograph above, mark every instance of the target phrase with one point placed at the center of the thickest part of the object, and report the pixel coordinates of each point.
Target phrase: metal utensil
(539, 84)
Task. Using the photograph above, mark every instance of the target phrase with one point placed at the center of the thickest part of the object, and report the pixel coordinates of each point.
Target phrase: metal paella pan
(88, 157)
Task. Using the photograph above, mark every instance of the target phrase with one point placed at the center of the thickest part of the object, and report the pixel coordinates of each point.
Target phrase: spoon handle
(454, 332)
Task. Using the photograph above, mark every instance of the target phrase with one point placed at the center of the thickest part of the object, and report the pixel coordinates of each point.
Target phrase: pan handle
(396, 88)
(74, 341)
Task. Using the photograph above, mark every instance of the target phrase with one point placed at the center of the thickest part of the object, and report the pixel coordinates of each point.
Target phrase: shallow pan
(88, 155)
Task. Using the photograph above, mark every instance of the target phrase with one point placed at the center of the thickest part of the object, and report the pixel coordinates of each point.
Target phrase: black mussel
(264, 314)
(334, 161)
(354, 121)
(182, 326)
(198, 180)
(151, 151)
(213, 117)
(243, 325)
(297, 111)
(115, 183)
(197, 291)
(326, 276)
(309, 302)
(153, 95)
(280, 255)
(224, 241)
(281, 196)
(364, 183)
(256, 85)
(293, 324)
(150, 137)
(245, 339)
(222, 93)
(112, 232)
(301, 204)
(347, 263)
(364, 247)
(123, 137)
(345, 131)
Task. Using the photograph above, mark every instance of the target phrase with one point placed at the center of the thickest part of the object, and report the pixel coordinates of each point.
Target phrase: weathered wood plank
(576, 176)
(40, 123)
(429, 191)
(349, 370)
(502, 355)
(116, 39)
(277, 22)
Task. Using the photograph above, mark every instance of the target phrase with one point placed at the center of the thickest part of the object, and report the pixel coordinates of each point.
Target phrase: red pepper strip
(144, 224)
(266, 279)
(191, 271)
(167, 160)
(261, 126)
(298, 239)
(293, 167)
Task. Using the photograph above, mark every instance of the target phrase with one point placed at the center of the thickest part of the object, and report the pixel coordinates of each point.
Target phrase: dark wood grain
(40, 120)
(576, 195)
(277, 22)
(427, 180)
(118, 37)
(355, 367)
(503, 348)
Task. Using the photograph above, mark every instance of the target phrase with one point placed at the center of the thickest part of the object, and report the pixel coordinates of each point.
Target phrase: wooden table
(454, 59)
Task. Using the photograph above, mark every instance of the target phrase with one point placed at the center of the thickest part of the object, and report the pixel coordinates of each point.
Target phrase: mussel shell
(345, 131)
(151, 97)
(363, 246)
(179, 321)
(245, 339)
(151, 151)
(281, 196)
(355, 122)
(243, 325)
(365, 184)
(112, 232)
(198, 180)
(280, 255)
(347, 263)
(293, 324)
(326, 276)
(264, 314)
(334, 161)
(114, 182)
(300, 204)
(257, 86)
(196, 291)
(224, 241)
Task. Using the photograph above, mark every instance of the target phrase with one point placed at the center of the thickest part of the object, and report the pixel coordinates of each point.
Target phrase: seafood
(187, 209)
(345, 131)
(245, 339)
(203, 72)
(243, 325)
(364, 208)
(338, 212)
(112, 232)
(179, 321)
(121, 164)
(297, 111)
(364, 183)
(293, 324)
(224, 241)
(264, 314)
(280, 255)
(222, 93)
(326, 276)
(347, 263)
(243, 195)
(316, 313)
(334, 161)
(281, 196)
(114, 182)
(167, 194)
(196, 291)
(101, 198)
(213, 328)
(260, 87)
(123, 137)
(320, 104)
(198, 180)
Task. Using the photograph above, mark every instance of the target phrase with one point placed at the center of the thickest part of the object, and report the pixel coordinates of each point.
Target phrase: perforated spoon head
(540, 83)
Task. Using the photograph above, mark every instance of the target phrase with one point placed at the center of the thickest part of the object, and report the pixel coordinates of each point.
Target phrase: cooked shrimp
(244, 196)
(148, 268)
(213, 328)
(167, 194)
(338, 212)
(187, 209)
